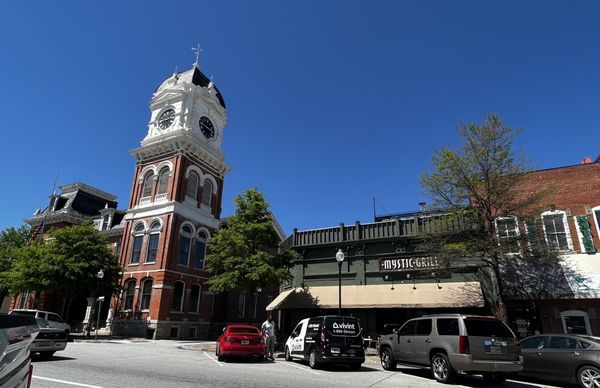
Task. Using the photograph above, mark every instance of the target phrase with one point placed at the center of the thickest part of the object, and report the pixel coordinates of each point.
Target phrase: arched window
(153, 242)
(146, 294)
(192, 185)
(185, 240)
(147, 188)
(195, 293)
(207, 190)
(129, 294)
(138, 238)
(178, 296)
(163, 180)
(201, 241)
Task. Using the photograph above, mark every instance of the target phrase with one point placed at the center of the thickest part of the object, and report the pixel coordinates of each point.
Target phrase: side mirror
(395, 331)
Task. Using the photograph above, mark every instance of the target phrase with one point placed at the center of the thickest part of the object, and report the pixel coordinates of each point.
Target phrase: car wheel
(494, 378)
(387, 359)
(46, 355)
(288, 356)
(588, 376)
(441, 368)
(220, 357)
(312, 360)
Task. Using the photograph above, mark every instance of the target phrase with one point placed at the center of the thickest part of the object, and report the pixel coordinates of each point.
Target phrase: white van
(54, 319)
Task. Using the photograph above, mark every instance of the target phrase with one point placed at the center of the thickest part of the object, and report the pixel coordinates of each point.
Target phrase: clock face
(166, 119)
(207, 128)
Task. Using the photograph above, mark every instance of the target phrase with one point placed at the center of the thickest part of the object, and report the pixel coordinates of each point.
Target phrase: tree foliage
(12, 241)
(243, 254)
(482, 175)
(67, 263)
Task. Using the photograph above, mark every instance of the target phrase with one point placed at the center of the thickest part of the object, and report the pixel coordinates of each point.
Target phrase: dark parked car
(562, 357)
(49, 339)
(240, 340)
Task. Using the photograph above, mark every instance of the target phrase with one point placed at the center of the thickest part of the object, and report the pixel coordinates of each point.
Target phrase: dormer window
(105, 220)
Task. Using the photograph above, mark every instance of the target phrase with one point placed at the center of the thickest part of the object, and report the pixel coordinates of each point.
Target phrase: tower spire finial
(197, 50)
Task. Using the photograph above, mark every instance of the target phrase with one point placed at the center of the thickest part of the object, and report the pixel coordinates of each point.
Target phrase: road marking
(219, 363)
(297, 367)
(66, 382)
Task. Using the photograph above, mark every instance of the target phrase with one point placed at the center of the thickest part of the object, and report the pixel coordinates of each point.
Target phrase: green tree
(67, 264)
(482, 175)
(243, 254)
(12, 241)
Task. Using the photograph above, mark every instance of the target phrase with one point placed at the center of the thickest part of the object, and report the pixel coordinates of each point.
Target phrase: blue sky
(330, 103)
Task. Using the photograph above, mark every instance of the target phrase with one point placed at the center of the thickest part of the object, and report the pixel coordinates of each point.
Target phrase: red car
(240, 340)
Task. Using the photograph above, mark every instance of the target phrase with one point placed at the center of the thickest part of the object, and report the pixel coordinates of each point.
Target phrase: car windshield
(252, 330)
(30, 313)
(42, 323)
(487, 328)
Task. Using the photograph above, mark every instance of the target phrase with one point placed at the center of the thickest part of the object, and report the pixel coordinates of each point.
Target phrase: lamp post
(339, 257)
(258, 290)
(99, 275)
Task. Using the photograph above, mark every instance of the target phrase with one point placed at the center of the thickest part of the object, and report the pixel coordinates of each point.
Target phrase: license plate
(496, 349)
(245, 342)
(335, 350)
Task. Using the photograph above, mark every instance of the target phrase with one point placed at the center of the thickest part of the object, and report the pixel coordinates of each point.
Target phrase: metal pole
(340, 287)
(98, 319)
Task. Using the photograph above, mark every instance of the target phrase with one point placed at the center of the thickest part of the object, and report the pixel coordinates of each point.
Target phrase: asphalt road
(163, 364)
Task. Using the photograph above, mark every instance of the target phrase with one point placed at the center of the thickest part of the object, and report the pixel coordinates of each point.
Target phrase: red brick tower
(174, 210)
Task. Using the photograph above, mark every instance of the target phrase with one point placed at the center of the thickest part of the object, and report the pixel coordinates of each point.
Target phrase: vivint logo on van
(343, 326)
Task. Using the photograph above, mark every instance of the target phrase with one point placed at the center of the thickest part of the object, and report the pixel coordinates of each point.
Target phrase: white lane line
(218, 363)
(296, 366)
(66, 382)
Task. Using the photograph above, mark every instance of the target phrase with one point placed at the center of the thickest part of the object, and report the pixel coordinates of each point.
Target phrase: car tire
(587, 375)
(442, 369)
(220, 357)
(312, 359)
(46, 355)
(387, 359)
(494, 378)
(288, 356)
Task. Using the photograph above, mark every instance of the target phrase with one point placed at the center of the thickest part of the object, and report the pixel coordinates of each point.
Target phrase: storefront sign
(405, 264)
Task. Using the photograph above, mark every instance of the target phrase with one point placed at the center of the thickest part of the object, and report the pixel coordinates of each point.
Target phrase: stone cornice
(180, 141)
(193, 214)
(88, 189)
(56, 217)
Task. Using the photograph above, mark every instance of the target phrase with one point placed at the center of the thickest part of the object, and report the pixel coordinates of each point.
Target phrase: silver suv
(451, 343)
(53, 319)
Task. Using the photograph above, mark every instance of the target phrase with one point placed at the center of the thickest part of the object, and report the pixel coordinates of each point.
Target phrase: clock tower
(174, 209)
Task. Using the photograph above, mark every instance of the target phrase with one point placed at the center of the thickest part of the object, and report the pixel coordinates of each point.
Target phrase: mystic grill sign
(406, 264)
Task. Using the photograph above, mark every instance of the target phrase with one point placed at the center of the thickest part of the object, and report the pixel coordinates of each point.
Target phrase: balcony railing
(408, 227)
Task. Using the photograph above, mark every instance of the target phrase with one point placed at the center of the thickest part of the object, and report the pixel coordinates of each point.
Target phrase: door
(403, 351)
(422, 341)
(562, 357)
(296, 344)
(533, 350)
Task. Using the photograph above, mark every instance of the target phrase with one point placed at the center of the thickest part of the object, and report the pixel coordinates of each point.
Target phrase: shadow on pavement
(38, 358)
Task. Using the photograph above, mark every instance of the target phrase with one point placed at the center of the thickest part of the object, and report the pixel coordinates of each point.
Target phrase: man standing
(268, 331)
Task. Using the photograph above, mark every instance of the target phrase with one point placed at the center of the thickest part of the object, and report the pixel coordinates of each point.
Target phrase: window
(192, 185)
(178, 296)
(194, 306)
(146, 294)
(596, 212)
(138, 238)
(487, 328)
(153, 242)
(147, 188)
(129, 294)
(207, 190)
(54, 318)
(557, 230)
(174, 332)
(200, 249)
(423, 327)
(535, 343)
(408, 328)
(576, 322)
(507, 231)
(163, 179)
(105, 219)
(447, 326)
(562, 343)
(242, 305)
(185, 240)
(192, 332)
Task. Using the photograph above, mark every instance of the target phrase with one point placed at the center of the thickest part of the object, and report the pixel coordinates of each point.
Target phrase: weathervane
(197, 51)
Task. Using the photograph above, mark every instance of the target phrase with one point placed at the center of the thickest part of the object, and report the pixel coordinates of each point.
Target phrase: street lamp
(99, 275)
(339, 257)
(258, 290)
